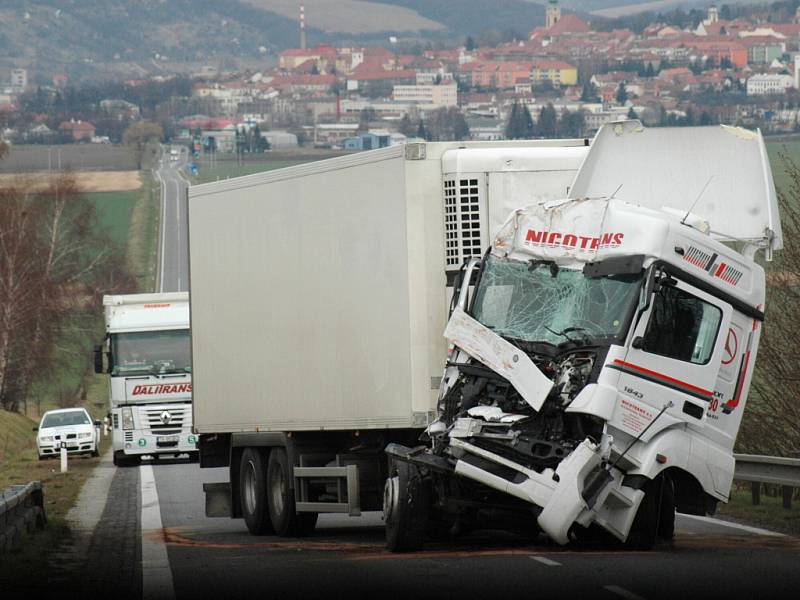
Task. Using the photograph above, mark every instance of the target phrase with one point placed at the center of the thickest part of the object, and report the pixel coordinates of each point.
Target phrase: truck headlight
(83, 436)
(127, 418)
(46, 438)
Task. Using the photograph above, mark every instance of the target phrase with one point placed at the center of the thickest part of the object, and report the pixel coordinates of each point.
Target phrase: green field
(114, 211)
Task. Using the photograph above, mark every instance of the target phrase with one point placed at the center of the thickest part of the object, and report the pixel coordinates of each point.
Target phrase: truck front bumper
(579, 491)
(141, 443)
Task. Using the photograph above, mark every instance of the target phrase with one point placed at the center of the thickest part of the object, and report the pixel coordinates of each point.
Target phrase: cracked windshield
(538, 302)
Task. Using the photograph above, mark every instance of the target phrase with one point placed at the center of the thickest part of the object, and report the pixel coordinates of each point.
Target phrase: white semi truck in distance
(147, 352)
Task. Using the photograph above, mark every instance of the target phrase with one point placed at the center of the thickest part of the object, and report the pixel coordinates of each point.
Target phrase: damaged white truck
(600, 354)
(600, 364)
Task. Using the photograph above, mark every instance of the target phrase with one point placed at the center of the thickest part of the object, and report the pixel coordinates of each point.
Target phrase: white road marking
(619, 591)
(747, 528)
(546, 561)
(163, 228)
(156, 572)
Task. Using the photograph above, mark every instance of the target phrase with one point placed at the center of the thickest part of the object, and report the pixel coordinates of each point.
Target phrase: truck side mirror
(35, 428)
(638, 342)
(98, 359)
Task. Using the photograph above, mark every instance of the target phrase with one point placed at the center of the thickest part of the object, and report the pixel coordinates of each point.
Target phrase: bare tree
(21, 275)
(55, 264)
(771, 424)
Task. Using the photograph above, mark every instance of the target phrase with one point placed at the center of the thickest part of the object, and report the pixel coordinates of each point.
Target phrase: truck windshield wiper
(585, 337)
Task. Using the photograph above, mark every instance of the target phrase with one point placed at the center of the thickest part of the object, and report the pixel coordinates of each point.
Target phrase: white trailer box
(318, 293)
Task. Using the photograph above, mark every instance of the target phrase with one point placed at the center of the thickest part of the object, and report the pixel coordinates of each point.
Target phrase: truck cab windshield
(537, 303)
(151, 352)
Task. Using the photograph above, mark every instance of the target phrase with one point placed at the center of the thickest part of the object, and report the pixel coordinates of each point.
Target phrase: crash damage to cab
(537, 422)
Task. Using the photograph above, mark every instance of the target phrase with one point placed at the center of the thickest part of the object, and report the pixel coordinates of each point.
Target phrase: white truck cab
(602, 348)
(150, 383)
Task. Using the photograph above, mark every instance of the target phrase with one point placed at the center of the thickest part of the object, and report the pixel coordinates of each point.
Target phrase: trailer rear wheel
(285, 519)
(406, 503)
(253, 492)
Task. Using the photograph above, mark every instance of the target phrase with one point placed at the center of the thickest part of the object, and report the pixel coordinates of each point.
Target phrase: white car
(70, 426)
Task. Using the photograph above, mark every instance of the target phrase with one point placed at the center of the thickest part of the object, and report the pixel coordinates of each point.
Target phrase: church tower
(552, 13)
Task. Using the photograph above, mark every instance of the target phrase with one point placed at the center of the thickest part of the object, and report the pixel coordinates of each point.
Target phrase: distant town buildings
(722, 70)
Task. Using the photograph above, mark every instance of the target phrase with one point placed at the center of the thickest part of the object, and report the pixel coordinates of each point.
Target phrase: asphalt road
(173, 268)
(213, 558)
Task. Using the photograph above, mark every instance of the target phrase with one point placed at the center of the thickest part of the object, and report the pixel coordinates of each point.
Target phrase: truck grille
(463, 220)
(166, 421)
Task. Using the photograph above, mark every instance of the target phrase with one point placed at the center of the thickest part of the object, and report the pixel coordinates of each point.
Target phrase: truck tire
(253, 491)
(666, 517)
(656, 515)
(285, 519)
(122, 460)
(406, 503)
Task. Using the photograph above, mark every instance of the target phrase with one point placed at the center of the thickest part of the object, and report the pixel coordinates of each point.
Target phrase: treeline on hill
(775, 12)
(54, 267)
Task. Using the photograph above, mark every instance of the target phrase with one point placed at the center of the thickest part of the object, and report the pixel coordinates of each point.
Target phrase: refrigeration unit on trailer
(150, 383)
(318, 299)
(599, 368)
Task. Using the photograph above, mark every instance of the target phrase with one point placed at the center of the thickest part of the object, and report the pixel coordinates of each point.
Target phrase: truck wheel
(406, 502)
(122, 460)
(656, 515)
(666, 517)
(285, 519)
(253, 492)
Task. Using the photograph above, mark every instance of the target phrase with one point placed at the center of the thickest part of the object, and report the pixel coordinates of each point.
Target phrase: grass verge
(770, 514)
(142, 236)
(20, 463)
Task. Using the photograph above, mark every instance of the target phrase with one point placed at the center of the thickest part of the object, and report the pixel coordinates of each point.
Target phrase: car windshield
(76, 417)
(151, 352)
(542, 303)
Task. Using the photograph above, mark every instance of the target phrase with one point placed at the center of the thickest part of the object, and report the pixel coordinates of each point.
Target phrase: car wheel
(252, 491)
(285, 519)
(406, 503)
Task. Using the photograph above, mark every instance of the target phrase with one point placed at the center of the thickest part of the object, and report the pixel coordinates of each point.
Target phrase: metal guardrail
(775, 470)
(21, 509)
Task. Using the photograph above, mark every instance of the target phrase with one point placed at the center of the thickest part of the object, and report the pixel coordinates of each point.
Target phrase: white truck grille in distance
(163, 421)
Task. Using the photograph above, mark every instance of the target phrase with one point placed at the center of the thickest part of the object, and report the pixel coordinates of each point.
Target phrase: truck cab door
(675, 351)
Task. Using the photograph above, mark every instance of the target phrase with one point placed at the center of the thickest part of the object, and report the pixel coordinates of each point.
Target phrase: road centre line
(156, 572)
(545, 561)
(622, 592)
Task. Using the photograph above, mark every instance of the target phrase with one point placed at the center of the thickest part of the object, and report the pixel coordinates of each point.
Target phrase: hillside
(351, 16)
(120, 38)
(15, 436)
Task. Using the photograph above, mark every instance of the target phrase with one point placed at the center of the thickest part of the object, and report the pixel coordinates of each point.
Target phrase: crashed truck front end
(530, 383)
